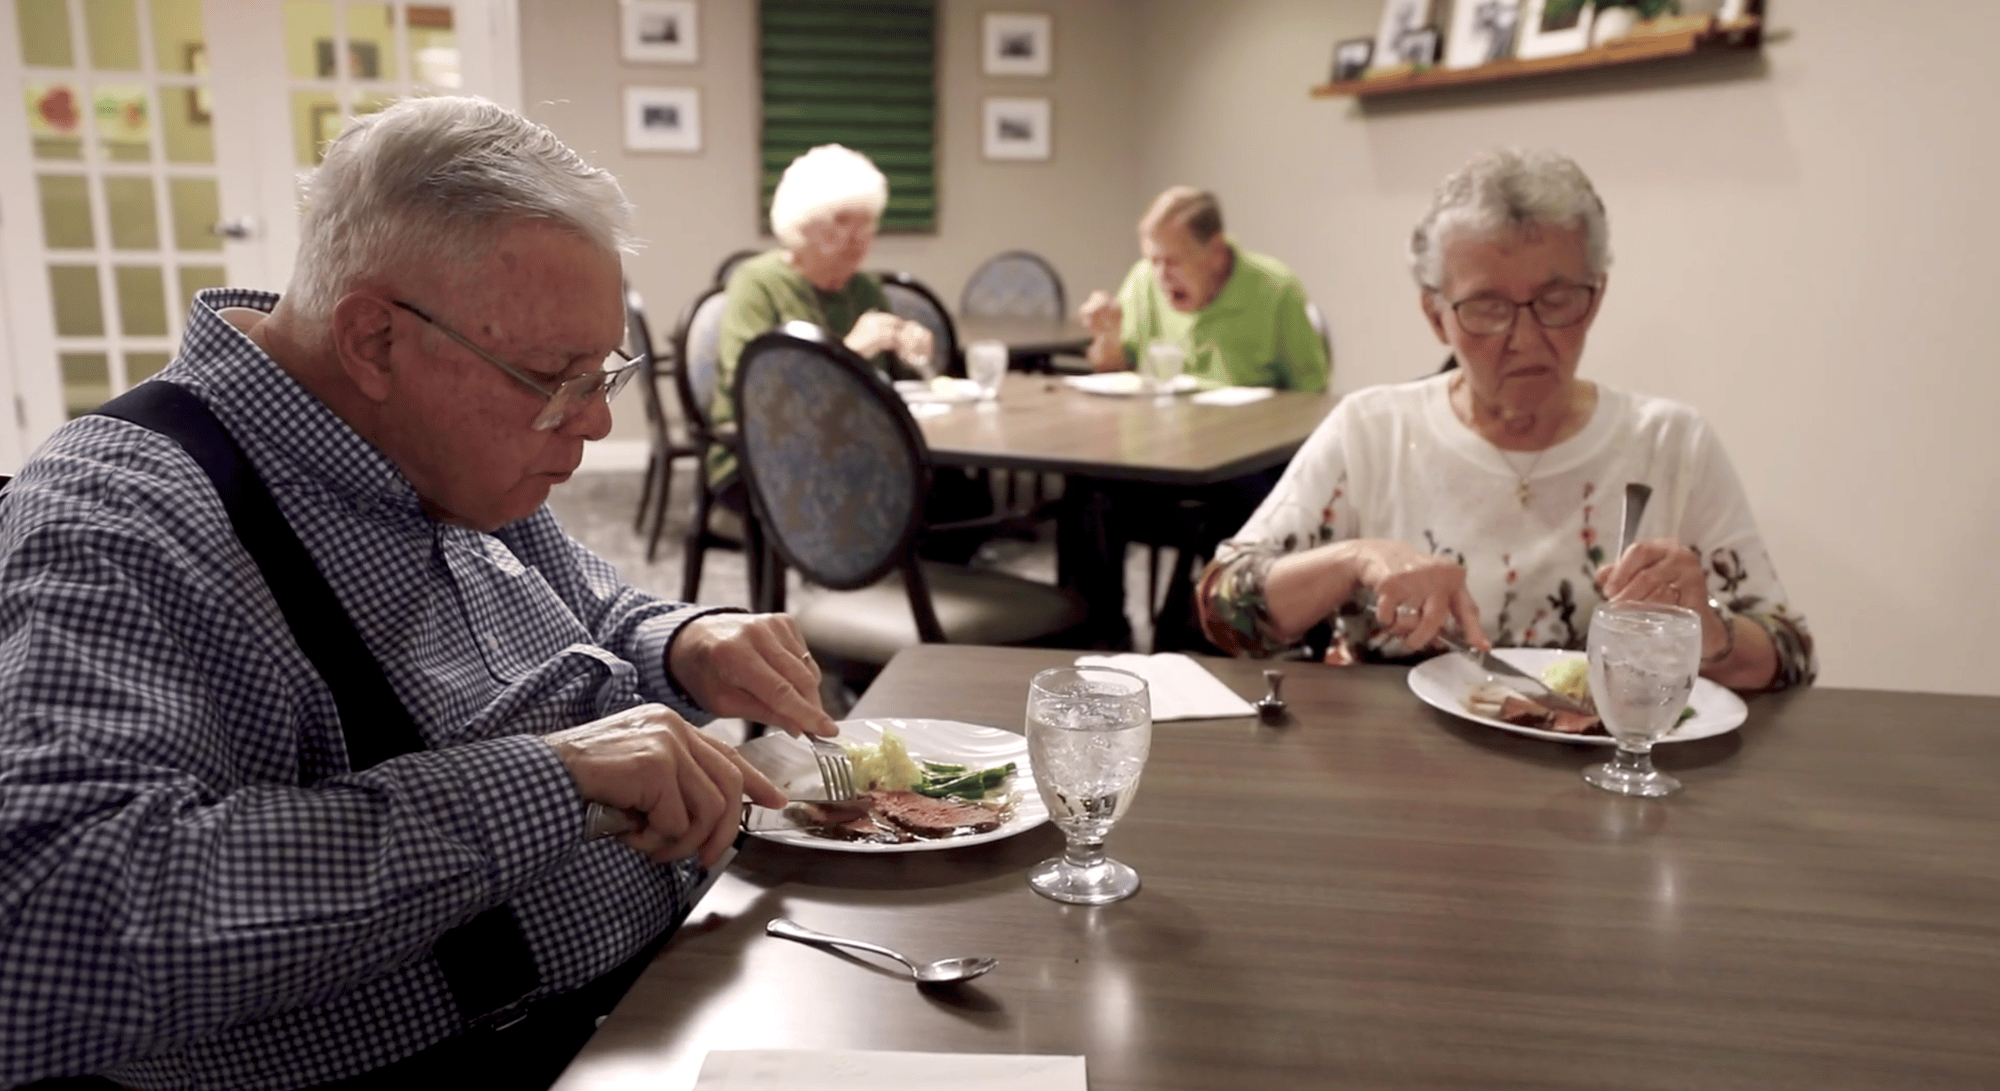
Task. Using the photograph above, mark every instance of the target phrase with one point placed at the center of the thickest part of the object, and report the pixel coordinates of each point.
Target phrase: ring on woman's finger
(1406, 610)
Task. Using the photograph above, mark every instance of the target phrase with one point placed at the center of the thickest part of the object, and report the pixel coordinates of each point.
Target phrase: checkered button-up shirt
(195, 888)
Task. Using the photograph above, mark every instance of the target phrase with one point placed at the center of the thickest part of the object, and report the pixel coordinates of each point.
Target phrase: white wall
(1804, 247)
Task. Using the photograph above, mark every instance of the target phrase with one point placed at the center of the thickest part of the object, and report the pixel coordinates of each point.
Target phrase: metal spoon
(1636, 495)
(944, 971)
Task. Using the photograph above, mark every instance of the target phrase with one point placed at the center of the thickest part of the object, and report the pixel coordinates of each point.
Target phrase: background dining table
(1032, 343)
(1041, 423)
(1377, 894)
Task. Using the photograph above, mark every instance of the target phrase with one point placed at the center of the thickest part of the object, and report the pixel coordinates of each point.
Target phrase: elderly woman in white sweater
(1483, 498)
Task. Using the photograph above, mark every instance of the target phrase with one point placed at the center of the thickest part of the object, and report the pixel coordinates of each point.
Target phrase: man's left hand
(752, 666)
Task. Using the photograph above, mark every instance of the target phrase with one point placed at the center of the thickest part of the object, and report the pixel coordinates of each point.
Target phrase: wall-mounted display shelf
(1658, 41)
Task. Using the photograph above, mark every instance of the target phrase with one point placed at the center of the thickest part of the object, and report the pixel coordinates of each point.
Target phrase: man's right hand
(689, 787)
(1101, 314)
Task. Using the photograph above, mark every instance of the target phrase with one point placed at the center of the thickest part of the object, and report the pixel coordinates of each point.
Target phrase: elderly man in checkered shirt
(207, 883)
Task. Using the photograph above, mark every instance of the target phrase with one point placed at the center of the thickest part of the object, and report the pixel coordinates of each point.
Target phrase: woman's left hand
(1656, 570)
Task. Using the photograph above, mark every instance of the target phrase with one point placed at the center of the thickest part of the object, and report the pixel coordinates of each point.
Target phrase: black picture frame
(1419, 48)
(1351, 57)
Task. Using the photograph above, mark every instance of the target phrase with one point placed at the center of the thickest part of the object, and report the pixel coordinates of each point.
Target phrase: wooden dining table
(1041, 423)
(1031, 342)
(1376, 894)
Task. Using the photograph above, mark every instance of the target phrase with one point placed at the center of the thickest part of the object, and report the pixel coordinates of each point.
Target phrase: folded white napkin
(857, 1070)
(1181, 688)
(929, 409)
(1233, 395)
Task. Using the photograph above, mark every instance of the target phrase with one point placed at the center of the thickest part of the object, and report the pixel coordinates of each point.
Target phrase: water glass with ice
(1164, 363)
(986, 366)
(1089, 731)
(1643, 661)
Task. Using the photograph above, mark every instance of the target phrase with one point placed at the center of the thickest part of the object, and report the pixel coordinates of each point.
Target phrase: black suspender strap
(486, 960)
(374, 722)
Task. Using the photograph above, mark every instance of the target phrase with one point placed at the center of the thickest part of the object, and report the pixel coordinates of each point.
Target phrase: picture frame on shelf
(1018, 43)
(1017, 129)
(1552, 28)
(1419, 48)
(1399, 18)
(1350, 58)
(1482, 32)
(659, 31)
(662, 119)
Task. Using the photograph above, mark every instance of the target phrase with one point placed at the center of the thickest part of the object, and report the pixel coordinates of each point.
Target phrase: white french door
(158, 151)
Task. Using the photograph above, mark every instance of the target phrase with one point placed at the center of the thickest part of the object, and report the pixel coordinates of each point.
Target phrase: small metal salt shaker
(1271, 707)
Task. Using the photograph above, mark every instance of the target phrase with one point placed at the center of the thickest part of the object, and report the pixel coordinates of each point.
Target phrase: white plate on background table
(789, 761)
(946, 390)
(1444, 682)
(1126, 384)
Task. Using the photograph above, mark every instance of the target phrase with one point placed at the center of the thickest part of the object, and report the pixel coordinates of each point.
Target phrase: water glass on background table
(1164, 363)
(1089, 731)
(986, 366)
(1643, 661)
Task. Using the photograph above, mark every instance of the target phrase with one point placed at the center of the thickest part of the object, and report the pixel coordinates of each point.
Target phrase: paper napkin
(1181, 688)
(858, 1070)
(1233, 395)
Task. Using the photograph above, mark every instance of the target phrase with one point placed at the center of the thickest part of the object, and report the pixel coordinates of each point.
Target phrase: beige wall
(1076, 209)
(1803, 240)
(1804, 248)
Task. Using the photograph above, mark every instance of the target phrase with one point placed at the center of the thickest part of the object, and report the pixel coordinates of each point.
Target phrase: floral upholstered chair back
(698, 355)
(1016, 284)
(834, 463)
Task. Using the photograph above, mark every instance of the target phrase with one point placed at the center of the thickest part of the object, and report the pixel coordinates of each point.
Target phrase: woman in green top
(824, 213)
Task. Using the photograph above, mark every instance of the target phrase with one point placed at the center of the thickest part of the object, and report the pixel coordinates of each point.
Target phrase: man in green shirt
(1240, 317)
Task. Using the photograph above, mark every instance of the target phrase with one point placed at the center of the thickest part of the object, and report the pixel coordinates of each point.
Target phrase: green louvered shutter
(861, 73)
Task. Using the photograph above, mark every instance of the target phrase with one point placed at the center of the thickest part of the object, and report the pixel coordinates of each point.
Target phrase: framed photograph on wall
(1551, 28)
(1350, 58)
(662, 119)
(1018, 43)
(1399, 19)
(1016, 128)
(1482, 31)
(659, 31)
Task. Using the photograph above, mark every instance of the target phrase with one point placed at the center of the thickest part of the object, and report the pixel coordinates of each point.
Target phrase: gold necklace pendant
(1521, 492)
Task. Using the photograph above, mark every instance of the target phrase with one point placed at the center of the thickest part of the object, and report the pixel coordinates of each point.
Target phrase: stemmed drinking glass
(1643, 660)
(1089, 730)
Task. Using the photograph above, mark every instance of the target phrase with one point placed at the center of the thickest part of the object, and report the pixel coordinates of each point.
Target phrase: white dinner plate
(948, 391)
(1125, 384)
(1445, 681)
(790, 762)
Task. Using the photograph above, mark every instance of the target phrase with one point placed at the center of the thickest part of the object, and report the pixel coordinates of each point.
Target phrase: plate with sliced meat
(899, 821)
(1451, 683)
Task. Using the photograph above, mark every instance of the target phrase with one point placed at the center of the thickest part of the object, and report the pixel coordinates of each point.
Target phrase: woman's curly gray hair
(1510, 188)
(431, 179)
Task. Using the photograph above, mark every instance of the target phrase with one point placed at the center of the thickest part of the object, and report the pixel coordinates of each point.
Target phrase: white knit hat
(821, 182)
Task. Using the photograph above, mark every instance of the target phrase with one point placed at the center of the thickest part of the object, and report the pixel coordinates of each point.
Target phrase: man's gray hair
(1510, 188)
(436, 180)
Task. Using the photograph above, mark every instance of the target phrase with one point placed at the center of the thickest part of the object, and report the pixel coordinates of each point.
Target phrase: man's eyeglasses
(617, 371)
(1560, 306)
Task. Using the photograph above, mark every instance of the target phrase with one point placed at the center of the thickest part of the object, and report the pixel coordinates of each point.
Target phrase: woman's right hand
(1417, 594)
(874, 333)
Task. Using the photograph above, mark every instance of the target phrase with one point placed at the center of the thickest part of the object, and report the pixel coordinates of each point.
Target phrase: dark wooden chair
(837, 471)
